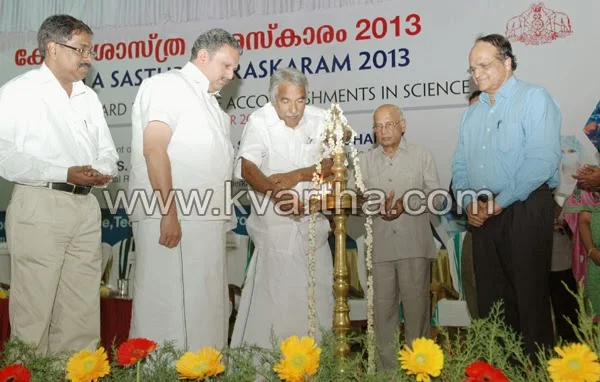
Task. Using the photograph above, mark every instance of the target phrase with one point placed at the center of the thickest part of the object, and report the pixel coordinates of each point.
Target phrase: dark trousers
(511, 257)
(564, 304)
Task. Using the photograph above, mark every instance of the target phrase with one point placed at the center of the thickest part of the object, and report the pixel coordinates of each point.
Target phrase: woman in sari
(582, 214)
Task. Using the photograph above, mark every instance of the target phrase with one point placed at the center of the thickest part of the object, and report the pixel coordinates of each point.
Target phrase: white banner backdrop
(409, 53)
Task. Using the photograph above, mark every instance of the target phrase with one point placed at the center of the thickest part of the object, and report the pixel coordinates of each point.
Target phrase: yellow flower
(300, 358)
(577, 363)
(205, 363)
(104, 291)
(86, 366)
(424, 360)
(3, 293)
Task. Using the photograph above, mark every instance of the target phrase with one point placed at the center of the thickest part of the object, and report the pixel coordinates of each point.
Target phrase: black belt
(70, 188)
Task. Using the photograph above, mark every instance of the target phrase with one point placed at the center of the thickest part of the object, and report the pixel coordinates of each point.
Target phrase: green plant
(487, 339)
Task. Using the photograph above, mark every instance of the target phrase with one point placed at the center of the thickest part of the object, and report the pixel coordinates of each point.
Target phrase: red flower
(480, 371)
(15, 373)
(134, 349)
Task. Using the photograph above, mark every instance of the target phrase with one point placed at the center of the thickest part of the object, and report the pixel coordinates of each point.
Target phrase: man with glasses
(403, 243)
(55, 146)
(509, 144)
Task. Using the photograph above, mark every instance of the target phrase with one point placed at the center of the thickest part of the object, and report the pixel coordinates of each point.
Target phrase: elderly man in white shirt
(180, 141)
(278, 151)
(55, 146)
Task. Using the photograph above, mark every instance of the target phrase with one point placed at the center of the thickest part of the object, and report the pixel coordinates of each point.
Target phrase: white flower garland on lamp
(332, 139)
(368, 260)
(312, 311)
(312, 222)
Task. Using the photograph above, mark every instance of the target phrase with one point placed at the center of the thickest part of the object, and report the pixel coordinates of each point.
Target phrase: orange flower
(15, 373)
(133, 350)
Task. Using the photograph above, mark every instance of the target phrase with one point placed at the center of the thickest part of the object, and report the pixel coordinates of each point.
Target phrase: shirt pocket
(93, 132)
(83, 123)
(278, 161)
(408, 180)
(508, 136)
(310, 152)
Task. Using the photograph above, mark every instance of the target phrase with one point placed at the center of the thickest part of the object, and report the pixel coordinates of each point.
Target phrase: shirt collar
(194, 73)
(504, 91)
(272, 118)
(402, 146)
(47, 77)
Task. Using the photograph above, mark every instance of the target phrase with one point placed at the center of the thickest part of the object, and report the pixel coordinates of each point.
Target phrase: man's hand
(588, 177)
(102, 179)
(497, 209)
(86, 176)
(392, 210)
(493, 205)
(170, 231)
(326, 165)
(477, 213)
(288, 202)
(285, 180)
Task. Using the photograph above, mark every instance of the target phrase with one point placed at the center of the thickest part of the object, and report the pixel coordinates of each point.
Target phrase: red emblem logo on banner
(538, 25)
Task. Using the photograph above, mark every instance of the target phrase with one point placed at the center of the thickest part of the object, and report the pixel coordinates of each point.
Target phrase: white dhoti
(275, 295)
(180, 294)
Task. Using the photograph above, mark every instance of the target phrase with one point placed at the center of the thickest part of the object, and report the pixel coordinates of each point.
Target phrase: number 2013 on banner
(380, 59)
(378, 27)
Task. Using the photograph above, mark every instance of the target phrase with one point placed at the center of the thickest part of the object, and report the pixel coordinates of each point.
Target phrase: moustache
(85, 65)
(290, 115)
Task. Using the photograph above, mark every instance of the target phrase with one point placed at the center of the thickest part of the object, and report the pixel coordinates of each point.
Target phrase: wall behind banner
(409, 53)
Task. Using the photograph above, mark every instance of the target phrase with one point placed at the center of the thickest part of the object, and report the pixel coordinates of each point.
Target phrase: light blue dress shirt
(511, 147)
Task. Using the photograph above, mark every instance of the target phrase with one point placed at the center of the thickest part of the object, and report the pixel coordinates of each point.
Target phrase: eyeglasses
(482, 67)
(387, 125)
(82, 52)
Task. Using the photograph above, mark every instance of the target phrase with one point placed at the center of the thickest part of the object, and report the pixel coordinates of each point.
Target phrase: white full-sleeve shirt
(275, 148)
(43, 131)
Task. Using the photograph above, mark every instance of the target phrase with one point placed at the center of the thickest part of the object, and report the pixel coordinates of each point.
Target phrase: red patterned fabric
(115, 318)
(4, 323)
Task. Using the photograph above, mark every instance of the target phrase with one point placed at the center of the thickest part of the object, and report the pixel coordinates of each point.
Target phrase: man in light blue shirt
(509, 144)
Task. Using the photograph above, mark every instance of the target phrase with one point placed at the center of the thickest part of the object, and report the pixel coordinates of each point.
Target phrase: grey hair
(59, 28)
(213, 40)
(291, 75)
(502, 44)
(396, 108)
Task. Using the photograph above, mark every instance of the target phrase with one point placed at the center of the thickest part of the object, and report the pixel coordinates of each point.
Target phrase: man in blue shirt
(509, 144)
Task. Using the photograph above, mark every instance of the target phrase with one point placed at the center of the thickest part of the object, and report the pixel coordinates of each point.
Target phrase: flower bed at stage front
(485, 351)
